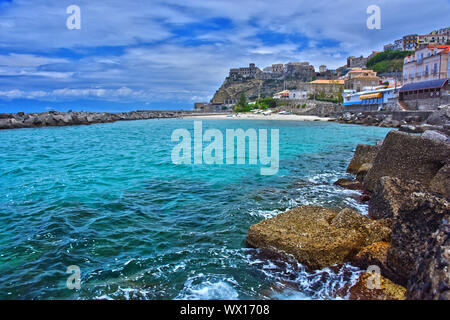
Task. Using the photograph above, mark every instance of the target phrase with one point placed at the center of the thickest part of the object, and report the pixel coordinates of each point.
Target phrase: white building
(298, 94)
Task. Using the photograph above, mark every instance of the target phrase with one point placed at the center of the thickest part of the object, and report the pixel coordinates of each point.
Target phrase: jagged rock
(305, 232)
(408, 157)
(389, 195)
(362, 171)
(5, 123)
(365, 289)
(375, 255)
(15, 123)
(349, 184)
(315, 236)
(363, 154)
(431, 277)
(417, 219)
(48, 119)
(434, 135)
(373, 231)
(441, 181)
(439, 117)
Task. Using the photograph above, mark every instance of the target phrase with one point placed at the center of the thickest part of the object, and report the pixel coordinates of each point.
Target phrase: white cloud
(157, 64)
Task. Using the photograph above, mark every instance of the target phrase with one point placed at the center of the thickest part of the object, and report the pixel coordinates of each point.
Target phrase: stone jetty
(55, 118)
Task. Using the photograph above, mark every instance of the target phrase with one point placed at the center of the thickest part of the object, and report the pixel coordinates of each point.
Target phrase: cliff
(230, 90)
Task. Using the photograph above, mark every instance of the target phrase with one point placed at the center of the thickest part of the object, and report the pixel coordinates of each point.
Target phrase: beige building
(357, 79)
(250, 72)
(429, 63)
(326, 86)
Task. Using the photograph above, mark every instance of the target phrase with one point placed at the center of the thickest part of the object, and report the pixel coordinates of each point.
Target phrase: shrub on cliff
(388, 61)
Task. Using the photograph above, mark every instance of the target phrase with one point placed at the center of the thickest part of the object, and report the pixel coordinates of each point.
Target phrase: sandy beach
(245, 116)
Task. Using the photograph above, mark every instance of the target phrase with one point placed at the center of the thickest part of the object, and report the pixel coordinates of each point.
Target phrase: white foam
(209, 289)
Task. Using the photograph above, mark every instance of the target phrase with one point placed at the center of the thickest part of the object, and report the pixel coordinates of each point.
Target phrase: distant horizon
(167, 56)
(35, 106)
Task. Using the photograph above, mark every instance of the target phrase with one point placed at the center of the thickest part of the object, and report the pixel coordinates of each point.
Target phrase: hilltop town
(409, 74)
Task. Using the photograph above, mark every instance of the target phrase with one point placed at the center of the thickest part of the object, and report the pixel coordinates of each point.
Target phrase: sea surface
(108, 199)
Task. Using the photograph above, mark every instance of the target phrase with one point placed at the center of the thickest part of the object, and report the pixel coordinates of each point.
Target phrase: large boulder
(373, 231)
(316, 236)
(439, 117)
(407, 157)
(417, 219)
(441, 181)
(435, 135)
(431, 277)
(389, 195)
(364, 154)
(5, 123)
(366, 289)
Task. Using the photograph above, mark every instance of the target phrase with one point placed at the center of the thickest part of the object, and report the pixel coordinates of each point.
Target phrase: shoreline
(272, 117)
(405, 181)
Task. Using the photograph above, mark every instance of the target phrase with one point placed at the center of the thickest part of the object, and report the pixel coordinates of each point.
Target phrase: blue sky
(168, 54)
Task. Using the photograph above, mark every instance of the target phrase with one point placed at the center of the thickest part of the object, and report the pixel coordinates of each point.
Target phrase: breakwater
(55, 118)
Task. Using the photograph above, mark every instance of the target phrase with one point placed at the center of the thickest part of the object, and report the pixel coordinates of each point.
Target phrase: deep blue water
(108, 199)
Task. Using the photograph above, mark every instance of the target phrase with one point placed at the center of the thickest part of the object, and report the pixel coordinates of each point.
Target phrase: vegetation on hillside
(266, 103)
(388, 61)
(242, 105)
(322, 96)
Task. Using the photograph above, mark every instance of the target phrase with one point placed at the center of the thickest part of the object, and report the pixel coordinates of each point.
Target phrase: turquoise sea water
(108, 199)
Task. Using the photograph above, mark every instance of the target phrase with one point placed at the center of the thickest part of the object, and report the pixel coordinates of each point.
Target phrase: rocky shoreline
(411, 122)
(57, 119)
(406, 181)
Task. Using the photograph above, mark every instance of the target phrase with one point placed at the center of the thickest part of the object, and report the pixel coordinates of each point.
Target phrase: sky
(169, 54)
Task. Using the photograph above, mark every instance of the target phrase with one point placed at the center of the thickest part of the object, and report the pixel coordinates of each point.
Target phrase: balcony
(426, 73)
(419, 75)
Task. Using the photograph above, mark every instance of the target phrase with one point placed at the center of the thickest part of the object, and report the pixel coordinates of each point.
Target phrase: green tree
(265, 103)
(242, 105)
(242, 100)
